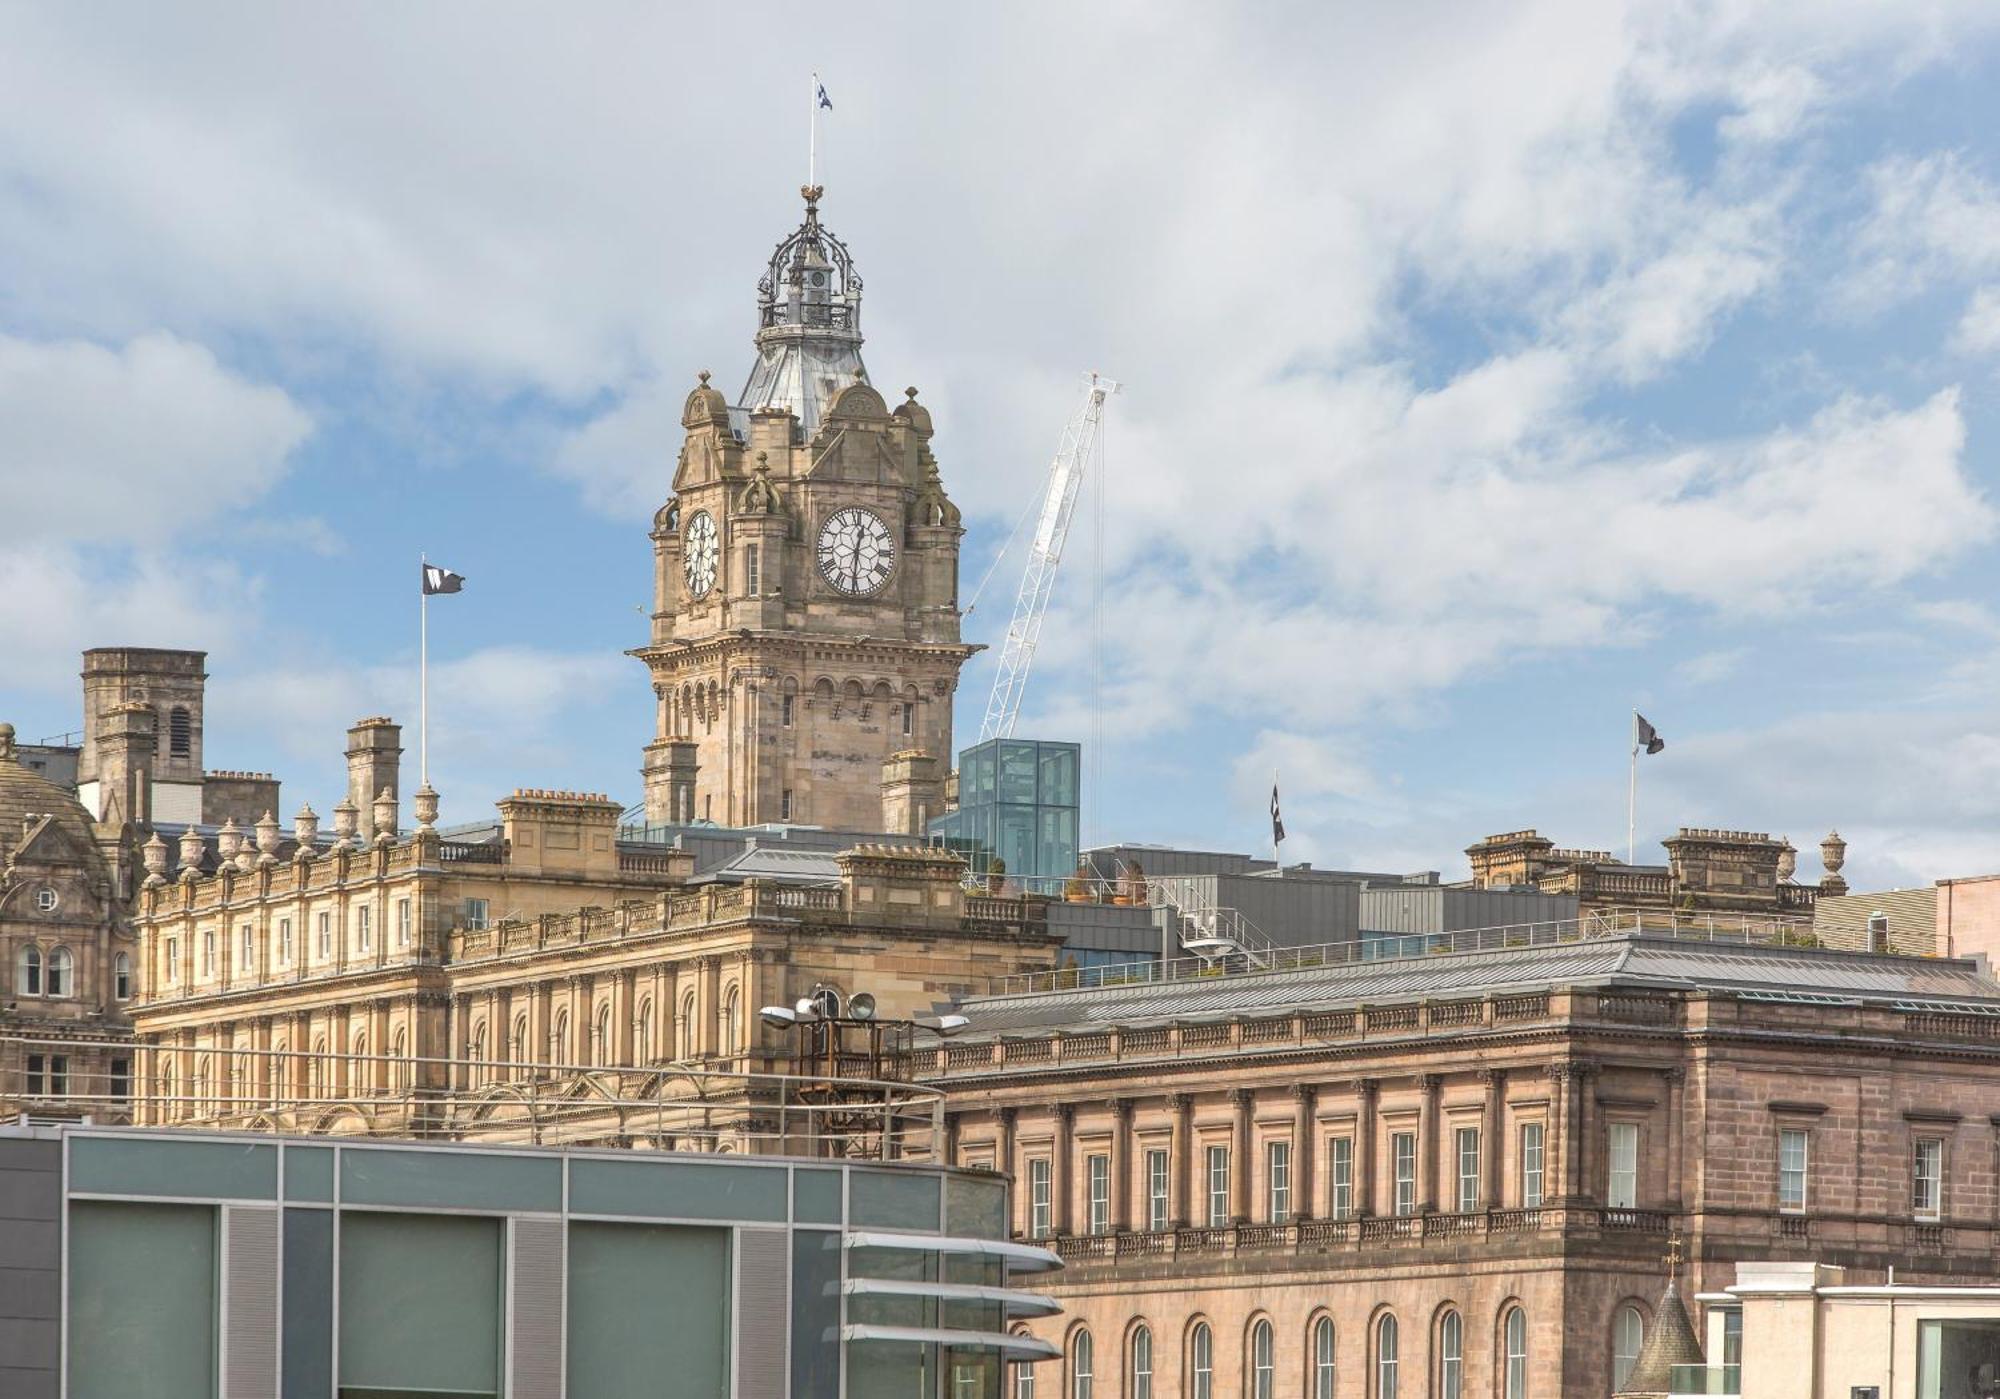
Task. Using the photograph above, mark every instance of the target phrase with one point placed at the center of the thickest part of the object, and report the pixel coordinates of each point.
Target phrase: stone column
(1365, 1090)
(1586, 1134)
(1004, 1162)
(1493, 1137)
(1427, 1145)
(1121, 1164)
(1180, 1211)
(709, 1006)
(1062, 1177)
(624, 1010)
(1676, 1083)
(1304, 1149)
(1242, 1100)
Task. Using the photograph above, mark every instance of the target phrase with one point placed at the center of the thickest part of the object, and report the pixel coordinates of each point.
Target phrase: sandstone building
(805, 605)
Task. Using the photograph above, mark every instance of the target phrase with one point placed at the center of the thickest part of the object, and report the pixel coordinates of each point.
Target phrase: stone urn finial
(155, 855)
(346, 821)
(305, 829)
(385, 817)
(1832, 855)
(192, 851)
(425, 807)
(228, 841)
(1788, 861)
(269, 838)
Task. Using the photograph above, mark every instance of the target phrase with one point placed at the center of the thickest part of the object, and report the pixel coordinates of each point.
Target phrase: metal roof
(1635, 959)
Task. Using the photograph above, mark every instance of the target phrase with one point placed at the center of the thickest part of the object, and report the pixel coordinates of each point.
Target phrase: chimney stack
(374, 755)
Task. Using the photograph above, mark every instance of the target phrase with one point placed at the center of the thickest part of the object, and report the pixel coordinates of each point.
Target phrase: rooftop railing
(1740, 929)
(680, 1106)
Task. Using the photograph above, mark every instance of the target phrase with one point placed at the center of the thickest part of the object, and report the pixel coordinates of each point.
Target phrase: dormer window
(46, 900)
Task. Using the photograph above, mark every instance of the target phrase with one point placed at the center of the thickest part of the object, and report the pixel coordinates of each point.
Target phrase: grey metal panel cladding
(763, 1284)
(535, 1311)
(250, 1303)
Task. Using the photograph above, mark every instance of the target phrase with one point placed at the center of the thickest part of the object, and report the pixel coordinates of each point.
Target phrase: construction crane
(1031, 605)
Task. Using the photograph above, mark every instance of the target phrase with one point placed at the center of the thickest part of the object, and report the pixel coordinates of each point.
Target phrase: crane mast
(1038, 580)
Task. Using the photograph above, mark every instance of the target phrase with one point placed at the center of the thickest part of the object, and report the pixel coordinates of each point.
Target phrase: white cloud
(1978, 331)
(1929, 217)
(1710, 667)
(138, 442)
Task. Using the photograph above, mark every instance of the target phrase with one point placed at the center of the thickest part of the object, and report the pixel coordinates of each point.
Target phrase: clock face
(856, 551)
(698, 553)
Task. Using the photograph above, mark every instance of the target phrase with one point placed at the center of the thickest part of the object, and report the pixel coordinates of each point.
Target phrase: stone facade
(1367, 1156)
(1707, 871)
(805, 611)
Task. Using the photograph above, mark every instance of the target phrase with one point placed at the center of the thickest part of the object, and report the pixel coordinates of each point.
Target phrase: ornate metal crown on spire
(811, 280)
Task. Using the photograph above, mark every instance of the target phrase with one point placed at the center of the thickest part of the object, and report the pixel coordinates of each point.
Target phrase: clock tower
(805, 625)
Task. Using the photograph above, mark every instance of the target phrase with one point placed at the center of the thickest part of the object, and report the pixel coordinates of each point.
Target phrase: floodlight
(861, 1006)
(952, 1024)
(779, 1017)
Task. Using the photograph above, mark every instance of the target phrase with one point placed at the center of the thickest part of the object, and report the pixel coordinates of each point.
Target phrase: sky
(1489, 371)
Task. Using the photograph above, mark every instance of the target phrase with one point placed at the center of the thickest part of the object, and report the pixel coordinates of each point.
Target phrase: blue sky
(1490, 371)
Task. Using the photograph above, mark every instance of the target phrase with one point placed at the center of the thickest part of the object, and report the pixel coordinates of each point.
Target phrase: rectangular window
(1039, 1218)
(1531, 1166)
(173, 959)
(785, 711)
(909, 718)
(1218, 1186)
(1622, 1182)
(284, 941)
(785, 805)
(58, 1076)
(1792, 1169)
(247, 963)
(1278, 1180)
(38, 1083)
(121, 1078)
(402, 922)
(475, 915)
(1097, 1166)
(753, 583)
(208, 953)
(1340, 1163)
(1468, 1169)
(326, 935)
(1404, 1147)
(1927, 1177)
(1156, 1191)
(361, 927)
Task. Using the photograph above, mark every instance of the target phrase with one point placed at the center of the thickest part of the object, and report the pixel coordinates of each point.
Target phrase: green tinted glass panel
(159, 1166)
(419, 1303)
(976, 1208)
(309, 1173)
(816, 1196)
(678, 1190)
(1015, 840)
(649, 1311)
(1017, 773)
(815, 1312)
(892, 1199)
(308, 1302)
(142, 1300)
(1058, 784)
(895, 1370)
(459, 1180)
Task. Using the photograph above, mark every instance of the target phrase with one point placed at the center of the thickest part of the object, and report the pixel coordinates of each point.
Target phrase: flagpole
(1632, 798)
(1277, 863)
(423, 672)
(812, 132)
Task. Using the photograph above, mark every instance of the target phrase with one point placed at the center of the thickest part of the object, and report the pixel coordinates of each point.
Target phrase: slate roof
(1638, 960)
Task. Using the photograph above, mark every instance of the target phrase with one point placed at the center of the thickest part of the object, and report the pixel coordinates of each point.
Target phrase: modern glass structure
(192, 1265)
(1017, 800)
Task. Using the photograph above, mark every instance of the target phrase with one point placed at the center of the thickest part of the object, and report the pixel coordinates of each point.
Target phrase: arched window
(1263, 1364)
(686, 1027)
(180, 733)
(1024, 1377)
(1081, 1379)
(643, 1050)
(1385, 1357)
(601, 1048)
(559, 1038)
(1201, 1363)
(1142, 1364)
(1628, 1333)
(62, 972)
(1322, 1358)
(476, 1071)
(121, 976)
(1451, 1356)
(281, 1074)
(402, 1059)
(520, 1045)
(730, 1002)
(316, 1066)
(1515, 1335)
(31, 970)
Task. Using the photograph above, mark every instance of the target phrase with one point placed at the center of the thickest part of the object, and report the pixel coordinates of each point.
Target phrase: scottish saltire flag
(825, 102)
(1277, 820)
(441, 580)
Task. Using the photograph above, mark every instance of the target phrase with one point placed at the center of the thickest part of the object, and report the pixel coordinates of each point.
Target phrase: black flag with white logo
(1277, 821)
(441, 580)
(1645, 736)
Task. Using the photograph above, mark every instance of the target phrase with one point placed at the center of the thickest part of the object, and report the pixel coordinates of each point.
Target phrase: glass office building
(1018, 800)
(183, 1265)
